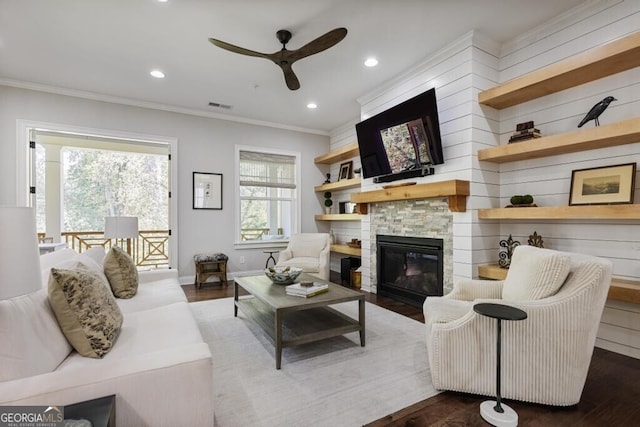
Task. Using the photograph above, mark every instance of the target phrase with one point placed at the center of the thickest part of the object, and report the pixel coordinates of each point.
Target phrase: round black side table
(495, 412)
(270, 258)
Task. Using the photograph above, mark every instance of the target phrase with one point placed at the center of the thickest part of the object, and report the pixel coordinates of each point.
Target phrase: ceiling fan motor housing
(283, 36)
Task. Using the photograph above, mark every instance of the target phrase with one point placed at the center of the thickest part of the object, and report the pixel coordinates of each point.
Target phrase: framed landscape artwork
(603, 186)
(207, 190)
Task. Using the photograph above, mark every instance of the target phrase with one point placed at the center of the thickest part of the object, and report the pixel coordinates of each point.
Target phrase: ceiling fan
(285, 58)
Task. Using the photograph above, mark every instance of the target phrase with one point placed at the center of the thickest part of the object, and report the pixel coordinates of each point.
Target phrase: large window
(267, 194)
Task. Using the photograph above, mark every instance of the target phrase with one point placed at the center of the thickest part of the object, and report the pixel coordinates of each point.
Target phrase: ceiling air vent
(218, 105)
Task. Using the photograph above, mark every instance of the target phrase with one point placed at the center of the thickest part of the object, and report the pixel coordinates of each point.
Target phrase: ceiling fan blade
(323, 42)
(237, 49)
(289, 77)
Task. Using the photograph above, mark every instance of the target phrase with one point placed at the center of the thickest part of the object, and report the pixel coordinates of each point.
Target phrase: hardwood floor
(610, 396)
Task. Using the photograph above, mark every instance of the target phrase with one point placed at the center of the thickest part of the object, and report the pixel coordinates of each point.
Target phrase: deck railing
(256, 233)
(150, 249)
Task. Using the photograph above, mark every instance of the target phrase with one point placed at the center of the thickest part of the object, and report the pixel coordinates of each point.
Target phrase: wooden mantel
(456, 190)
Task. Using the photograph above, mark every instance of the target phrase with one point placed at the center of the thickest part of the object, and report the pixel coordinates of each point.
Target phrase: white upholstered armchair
(545, 358)
(309, 251)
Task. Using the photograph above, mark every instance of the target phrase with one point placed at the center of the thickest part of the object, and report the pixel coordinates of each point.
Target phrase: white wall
(204, 145)
(548, 179)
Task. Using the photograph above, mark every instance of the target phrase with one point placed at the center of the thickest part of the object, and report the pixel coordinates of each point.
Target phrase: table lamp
(121, 227)
(19, 255)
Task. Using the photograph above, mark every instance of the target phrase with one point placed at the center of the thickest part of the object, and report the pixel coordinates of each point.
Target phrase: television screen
(403, 138)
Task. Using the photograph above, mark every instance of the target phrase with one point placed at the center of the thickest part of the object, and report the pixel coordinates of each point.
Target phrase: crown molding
(38, 87)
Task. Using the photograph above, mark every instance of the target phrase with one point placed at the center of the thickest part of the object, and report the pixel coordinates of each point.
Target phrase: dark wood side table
(495, 412)
(101, 411)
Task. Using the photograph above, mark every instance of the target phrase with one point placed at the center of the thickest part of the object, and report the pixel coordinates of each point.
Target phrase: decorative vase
(327, 210)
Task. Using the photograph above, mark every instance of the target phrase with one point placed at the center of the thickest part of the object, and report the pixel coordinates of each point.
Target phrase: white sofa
(159, 367)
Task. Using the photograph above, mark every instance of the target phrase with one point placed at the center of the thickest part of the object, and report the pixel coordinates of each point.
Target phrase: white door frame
(22, 166)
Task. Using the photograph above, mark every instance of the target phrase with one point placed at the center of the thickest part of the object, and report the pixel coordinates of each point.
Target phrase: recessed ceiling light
(162, 1)
(312, 105)
(157, 74)
(371, 62)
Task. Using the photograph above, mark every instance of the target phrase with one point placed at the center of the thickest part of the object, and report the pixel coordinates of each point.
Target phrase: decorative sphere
(282, 275)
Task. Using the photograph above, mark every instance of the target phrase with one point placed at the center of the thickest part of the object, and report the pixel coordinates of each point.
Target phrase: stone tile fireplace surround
(413, 218)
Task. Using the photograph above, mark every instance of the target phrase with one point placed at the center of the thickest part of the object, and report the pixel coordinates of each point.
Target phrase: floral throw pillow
(86, 311)
(121, 272)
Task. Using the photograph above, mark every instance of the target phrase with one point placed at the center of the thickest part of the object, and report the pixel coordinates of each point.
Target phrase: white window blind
(267, 170)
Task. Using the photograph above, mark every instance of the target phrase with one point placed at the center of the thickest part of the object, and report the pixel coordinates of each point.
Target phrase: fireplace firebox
(409, 268)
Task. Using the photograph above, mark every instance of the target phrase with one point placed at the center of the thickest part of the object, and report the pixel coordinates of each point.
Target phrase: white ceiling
(108, 48)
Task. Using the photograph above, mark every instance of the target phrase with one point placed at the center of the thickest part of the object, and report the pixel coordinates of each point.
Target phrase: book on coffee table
(306, 291)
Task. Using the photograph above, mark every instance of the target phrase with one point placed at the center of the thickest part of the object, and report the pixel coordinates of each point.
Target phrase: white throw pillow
(535, 273)
(32, 342)
(96, 253)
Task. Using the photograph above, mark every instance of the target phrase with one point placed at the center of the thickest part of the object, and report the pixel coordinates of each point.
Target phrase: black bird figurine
(596, 110)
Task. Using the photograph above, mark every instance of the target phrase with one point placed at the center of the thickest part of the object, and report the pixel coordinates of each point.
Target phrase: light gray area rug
(334, 382)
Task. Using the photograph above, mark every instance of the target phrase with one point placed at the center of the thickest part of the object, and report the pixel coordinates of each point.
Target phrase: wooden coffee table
(290, 320)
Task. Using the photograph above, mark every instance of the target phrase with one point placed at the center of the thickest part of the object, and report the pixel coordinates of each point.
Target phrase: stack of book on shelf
(524, 131)
(299, 290)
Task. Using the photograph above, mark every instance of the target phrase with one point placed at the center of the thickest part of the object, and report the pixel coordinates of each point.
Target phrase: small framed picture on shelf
(603, 186)
(345, 170)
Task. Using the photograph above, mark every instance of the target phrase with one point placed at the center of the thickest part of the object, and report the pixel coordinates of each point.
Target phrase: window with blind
(268, 194)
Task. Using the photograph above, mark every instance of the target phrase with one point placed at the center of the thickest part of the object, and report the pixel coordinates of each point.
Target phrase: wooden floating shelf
(621, 133)
(614, 57)
(346, 249)
(564, 212)
(338, 217)
(456, 190)
(338, 155)
(620, 289)
(339, 185)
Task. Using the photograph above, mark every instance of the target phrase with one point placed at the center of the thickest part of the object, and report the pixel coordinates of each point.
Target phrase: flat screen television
(403, 141)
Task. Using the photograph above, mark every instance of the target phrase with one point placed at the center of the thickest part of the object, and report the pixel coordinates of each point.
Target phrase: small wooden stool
(208, 265)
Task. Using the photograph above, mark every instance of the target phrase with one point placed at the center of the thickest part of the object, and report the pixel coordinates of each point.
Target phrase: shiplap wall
(451, 72)
(548, 179)
(343, 231)
(472, 64)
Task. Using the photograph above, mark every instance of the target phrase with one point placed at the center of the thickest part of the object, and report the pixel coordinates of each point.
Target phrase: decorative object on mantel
(505, 255)
(525, 131)
(332, 237)
(607, 185)
(328, 180)
(357, 172)
(535, 240)
(355, 243)
(402, 184)
(596, 110)
(327, 202)
(525, 201)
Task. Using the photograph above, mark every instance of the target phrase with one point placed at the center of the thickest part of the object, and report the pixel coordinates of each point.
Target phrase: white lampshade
(19, 254)
(121, 227)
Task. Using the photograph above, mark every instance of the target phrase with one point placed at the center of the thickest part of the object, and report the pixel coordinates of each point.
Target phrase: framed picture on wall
(603, 186)
(345, 170)
(207, 190)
